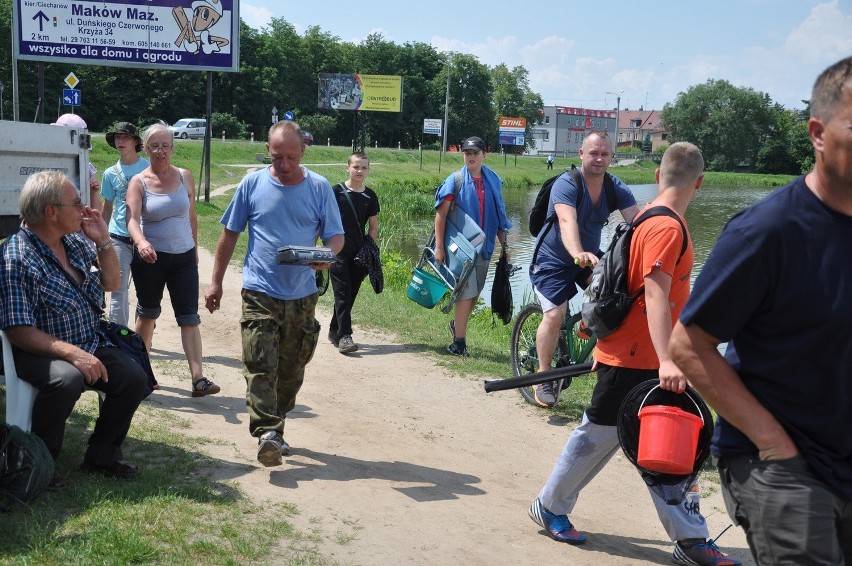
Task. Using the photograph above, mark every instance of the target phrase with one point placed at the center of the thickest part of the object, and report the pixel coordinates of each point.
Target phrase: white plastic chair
(20, 395)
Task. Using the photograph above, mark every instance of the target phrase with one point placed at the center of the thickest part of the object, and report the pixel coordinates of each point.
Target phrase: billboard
(198, 35)
(376, 93)
(432, 126)
(511, 131)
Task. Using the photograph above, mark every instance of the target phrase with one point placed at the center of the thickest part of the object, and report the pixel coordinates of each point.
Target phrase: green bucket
(425, 289)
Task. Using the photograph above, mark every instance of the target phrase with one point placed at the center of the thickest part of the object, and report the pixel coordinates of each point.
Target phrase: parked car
(189, 128)
(308, 138)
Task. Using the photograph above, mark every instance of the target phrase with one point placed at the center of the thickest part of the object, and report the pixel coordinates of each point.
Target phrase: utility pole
(447, 102)
(617, 115)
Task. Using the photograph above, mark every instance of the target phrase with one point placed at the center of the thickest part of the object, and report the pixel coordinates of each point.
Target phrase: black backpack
(26, 465)
(538, 212)
(607, 301)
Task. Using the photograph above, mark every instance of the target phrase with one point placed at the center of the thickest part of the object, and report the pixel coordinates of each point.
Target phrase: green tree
(728, 123)
(513, 97)
(470, 111)
(228, 123)
(646, 144)
(319, 125)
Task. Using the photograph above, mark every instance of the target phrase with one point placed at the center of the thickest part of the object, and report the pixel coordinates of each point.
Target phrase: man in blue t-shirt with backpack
(568, 246)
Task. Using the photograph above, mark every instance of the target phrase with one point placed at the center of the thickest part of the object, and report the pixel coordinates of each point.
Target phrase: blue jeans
(119, 308)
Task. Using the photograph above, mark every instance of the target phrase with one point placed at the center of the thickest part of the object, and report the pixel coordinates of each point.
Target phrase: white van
(189, 128)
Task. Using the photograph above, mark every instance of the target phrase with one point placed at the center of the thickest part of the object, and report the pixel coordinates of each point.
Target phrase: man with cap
(480, 196)
(126, 140)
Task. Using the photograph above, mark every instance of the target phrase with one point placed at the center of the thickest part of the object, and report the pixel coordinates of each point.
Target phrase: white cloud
(254, 16)
(825, 33)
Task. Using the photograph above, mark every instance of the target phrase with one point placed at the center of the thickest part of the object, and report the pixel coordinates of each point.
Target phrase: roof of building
(649, 120)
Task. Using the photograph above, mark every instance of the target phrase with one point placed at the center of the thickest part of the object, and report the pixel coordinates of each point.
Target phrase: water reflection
(706, 216)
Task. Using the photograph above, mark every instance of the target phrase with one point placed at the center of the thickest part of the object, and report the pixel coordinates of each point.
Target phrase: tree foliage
(232, 127)
(728, 123)
(514, 97)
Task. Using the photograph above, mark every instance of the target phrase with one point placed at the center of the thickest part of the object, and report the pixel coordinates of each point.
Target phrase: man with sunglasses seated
(52, 283)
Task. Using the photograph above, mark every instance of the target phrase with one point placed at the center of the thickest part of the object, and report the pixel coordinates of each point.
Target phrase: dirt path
(396, 461)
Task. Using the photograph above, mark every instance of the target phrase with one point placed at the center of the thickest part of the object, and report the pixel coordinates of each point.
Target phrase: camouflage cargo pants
(279, 339)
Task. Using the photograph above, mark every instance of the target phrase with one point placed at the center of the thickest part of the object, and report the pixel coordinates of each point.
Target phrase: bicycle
(574, 346)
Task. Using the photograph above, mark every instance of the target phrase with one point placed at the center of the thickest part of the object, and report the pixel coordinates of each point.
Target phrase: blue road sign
(72, 97)
(289, 115)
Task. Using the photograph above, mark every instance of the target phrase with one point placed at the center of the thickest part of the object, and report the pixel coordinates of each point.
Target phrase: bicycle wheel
(322, 281)
(523, 354)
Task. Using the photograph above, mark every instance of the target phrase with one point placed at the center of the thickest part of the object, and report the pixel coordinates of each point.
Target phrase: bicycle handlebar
(536, 378)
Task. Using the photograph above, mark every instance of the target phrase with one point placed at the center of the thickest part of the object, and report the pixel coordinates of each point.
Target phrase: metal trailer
(27, 148)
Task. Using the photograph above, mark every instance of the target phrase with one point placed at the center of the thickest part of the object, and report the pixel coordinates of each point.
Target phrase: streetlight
(617, 114)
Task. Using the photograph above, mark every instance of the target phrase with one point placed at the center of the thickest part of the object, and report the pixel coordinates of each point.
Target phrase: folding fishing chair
(463, 240)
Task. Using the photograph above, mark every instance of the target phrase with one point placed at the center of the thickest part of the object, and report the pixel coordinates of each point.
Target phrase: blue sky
(578, 52)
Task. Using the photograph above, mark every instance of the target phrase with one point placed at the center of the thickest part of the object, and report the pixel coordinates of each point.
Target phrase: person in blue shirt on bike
(569, 250)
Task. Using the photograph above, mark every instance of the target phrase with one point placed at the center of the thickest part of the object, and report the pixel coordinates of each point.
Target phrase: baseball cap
(473, 142)
(124, 128)
(70, 121)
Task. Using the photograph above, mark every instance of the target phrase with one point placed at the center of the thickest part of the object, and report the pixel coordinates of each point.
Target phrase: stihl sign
(513, 123)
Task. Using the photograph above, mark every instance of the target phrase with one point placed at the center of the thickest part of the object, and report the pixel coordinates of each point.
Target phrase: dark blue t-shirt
(590, 219)
(778, 287)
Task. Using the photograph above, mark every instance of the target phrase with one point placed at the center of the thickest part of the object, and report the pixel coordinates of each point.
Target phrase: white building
(563, 128)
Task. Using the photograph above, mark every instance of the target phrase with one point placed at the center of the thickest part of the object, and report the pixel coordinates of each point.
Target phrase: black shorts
(614, 383)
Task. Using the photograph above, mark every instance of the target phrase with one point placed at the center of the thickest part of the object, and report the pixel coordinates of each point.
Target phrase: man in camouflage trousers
(283, 204)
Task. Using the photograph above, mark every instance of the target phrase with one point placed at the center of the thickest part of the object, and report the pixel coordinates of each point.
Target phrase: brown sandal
(204, 386)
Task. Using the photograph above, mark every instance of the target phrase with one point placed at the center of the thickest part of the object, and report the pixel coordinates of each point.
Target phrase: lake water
(706, 216)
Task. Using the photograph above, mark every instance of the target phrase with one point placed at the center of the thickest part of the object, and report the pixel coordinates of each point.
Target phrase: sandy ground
(397, 461)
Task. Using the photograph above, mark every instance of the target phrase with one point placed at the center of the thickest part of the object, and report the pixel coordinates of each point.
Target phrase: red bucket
(668, 439)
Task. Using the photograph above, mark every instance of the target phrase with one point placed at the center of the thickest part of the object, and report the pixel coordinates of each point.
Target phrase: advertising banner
(200, 35)
(377, 93)
(432, 126)
(511, 130)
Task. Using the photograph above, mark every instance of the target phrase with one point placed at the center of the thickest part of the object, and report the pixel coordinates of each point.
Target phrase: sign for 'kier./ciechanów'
(177, 34)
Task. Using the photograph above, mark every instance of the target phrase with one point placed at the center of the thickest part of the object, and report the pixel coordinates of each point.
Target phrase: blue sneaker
(704, 553)
(557, 527)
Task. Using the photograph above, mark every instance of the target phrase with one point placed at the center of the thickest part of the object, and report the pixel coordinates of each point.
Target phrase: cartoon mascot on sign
(195, 37)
